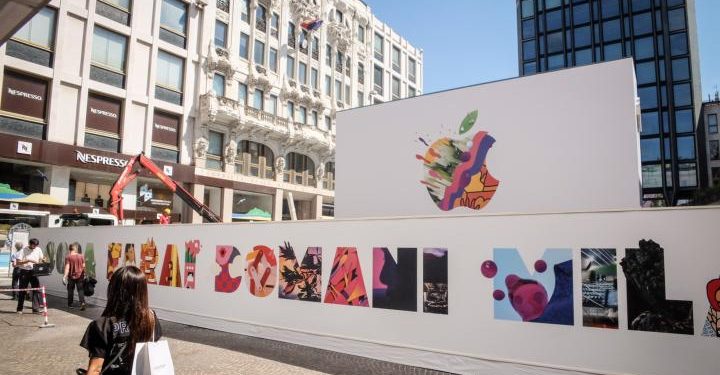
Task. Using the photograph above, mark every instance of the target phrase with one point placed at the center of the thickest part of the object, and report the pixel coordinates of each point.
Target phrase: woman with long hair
(126, 321)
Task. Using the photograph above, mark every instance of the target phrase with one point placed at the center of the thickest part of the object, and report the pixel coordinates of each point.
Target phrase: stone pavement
(27, 349)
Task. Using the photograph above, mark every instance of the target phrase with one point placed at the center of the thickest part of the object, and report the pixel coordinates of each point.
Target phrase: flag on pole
(312, 25)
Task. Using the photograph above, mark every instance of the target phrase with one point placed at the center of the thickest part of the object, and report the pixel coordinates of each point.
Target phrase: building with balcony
(661, 36)
(709, 128)
(235, 99)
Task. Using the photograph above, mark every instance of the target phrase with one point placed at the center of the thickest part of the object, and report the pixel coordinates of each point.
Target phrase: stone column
(198, 191)
(317, 203)
(227, 205)
(58, 184)
(277, 205)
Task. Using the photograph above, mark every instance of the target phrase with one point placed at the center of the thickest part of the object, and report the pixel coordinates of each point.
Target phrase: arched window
(256, 152)
(298, 164)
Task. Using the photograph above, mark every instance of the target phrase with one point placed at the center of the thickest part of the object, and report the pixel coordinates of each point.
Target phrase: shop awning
(255, 214)
(35, 198)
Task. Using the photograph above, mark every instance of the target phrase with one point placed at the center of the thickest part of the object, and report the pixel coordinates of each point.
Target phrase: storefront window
(152, 199)
(249, 206)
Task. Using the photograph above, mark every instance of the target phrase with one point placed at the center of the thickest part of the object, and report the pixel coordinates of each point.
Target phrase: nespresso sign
(87, 158)
(165, 128)
(24, 95)
(103, 113)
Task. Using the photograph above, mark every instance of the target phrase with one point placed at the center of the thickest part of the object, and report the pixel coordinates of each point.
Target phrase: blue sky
(473, 41)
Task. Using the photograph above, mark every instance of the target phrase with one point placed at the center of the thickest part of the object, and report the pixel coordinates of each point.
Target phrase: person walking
(16, 270)
(127, 320)
(25, 259)
(74, 275)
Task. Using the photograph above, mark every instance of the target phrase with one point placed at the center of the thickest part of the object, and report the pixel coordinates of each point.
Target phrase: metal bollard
(45, 312)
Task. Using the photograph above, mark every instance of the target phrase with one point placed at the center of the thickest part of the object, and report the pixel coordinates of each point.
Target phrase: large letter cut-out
(395, 284)
(346, 281)
(192, 249)
(224, 257)
(302, 282)
(261, 271)
(599, 288)
(89, 260)
(541, 297)
(648, 310)
(435, 280)
(148, 260)
(60, 253)
(170, 274)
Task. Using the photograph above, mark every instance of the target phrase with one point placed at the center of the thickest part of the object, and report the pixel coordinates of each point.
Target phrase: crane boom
(129, 173)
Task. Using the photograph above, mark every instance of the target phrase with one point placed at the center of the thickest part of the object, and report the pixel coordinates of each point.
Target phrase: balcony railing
(265, 116)
(329, 181)
(291, 40)
(259, 168)
(316, 53)
(223, 5)
(303, 178)
(338, 66)
(261, 24)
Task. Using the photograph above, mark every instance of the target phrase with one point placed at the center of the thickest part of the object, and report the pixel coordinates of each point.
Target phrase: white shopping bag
(153, 358)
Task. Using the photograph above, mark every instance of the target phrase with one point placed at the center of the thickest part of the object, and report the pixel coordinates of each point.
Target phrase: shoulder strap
(154, 324)
(113, 360)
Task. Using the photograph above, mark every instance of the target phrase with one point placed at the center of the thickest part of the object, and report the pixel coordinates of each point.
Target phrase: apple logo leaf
(468, 122)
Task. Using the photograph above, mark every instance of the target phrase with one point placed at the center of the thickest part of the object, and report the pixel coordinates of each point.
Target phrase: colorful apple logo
(456, 173)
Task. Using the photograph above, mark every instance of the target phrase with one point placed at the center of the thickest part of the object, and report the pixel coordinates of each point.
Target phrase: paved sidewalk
(27, 349)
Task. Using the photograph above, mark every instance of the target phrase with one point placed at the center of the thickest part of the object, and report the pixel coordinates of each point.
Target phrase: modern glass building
(661, 36)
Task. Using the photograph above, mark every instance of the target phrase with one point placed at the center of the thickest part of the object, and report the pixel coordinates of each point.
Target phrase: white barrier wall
(481, 294)
(559, 141)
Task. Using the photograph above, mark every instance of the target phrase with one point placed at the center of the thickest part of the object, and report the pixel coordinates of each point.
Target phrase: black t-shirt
(105, 337)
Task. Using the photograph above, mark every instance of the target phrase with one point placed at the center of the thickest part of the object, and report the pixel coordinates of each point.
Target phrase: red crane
(130, 173)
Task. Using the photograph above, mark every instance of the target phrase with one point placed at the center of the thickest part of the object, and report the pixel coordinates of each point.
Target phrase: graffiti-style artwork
(712, 323)
(395, 283)
(60, 252)
(170, 274)
(435, 280)
(224, 257)
(129, 259)
(261, 271)
(148, 260)
(541, 296)
(89, 260)
(192, 249)
(599, 288)
(50, 255)
(456, 174)
(347, 286)
(648, 309)
(113, 257)
(300, 282)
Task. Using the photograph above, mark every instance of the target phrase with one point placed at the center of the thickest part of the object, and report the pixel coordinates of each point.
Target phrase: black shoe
(82, 307)
(36, 311)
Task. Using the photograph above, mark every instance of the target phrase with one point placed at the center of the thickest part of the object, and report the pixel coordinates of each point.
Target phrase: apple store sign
(563, 141)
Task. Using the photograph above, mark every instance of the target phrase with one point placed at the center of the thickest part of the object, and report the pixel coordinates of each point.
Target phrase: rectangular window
(245, 11)
(35, 41)
(220, 34)
(378, 79)
(259, 99)
(315, 48)
(25, 96)
(378, 47)
(314, 118)
(361, 34)
(360, 99)
(108, 54)
(302, 115)
(275, 25)
(261, 18)
(395, 88)
(411, 92)
(259, 52)
(291, 111)
(714, 150)
(411, 70)
(219, 84)
(244, 45)
(396, 59)
(687, 175)
(271, 105)
(290, 67)
(328, 85)
(314, 78)
(104, 114)
(116, 10)
(338, 90)
(242, 93)
(712, 123)
(215, 148)
(173, 22)
(169, 77)
(361, 73)
(165, 134)
(328, 123)
(348, 97)
(302, 73)
(272, 60)
(291, 34)
(328, 55)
